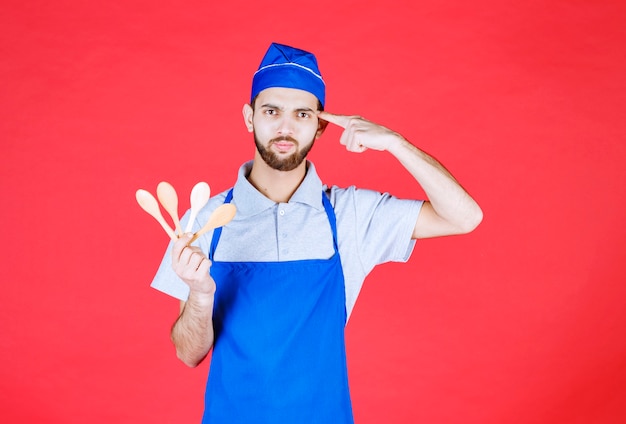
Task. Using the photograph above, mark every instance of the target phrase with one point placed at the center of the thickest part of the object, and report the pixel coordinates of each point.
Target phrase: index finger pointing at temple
(341, 120)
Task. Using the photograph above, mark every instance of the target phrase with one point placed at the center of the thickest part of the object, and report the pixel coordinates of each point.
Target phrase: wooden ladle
(199, 197)
(169, 199)
(220, 216)
(149, 204)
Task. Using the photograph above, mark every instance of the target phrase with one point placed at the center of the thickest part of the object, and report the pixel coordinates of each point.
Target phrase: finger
(193, 254)
(179, 246)
(195, 260)
(345, 138)
(355, 147)
(349, 138)
(183, 260)
(204, 266)
(341, 120)
(354, 142)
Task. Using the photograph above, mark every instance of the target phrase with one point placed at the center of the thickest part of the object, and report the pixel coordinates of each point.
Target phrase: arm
(192, 333)
(450, 209)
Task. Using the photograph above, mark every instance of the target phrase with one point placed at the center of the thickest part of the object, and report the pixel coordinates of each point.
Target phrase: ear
(247, 117)
(321, 126)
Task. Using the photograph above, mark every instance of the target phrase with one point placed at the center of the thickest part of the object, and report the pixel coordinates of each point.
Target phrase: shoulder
(361, 199)
(341, 195)
(366, 213)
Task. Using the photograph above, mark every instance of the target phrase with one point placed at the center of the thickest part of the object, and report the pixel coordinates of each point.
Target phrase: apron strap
(330, 212)
(218, 231)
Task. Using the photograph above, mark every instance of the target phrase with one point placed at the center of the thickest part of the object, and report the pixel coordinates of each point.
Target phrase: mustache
(284, 138)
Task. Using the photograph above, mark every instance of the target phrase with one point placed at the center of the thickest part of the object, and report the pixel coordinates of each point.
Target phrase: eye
(304, 115)
(270, 112)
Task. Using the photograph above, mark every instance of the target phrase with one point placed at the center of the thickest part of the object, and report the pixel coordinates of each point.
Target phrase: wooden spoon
(220, 216)
(169, 199)
(149, 204)
(199, 196)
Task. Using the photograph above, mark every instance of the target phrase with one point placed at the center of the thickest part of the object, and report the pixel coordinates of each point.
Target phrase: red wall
(522, 321)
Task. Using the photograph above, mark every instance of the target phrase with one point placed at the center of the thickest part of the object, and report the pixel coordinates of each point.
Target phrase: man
(271, 291)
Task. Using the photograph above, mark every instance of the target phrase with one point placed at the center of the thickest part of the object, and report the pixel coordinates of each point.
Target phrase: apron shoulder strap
(331, 218)
(218, 231)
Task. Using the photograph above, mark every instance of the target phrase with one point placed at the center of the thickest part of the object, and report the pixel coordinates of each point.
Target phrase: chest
(284, 232)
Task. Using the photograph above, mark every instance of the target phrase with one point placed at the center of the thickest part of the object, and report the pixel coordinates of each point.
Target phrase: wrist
(396, 143)
(201, 297)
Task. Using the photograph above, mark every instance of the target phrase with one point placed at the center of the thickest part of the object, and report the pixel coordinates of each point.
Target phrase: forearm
(192, 333)
(448, 199)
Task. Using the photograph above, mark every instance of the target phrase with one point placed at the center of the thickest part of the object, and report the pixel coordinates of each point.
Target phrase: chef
(270, 293)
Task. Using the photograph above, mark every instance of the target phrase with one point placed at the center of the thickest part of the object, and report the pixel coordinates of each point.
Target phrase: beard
(287, 163)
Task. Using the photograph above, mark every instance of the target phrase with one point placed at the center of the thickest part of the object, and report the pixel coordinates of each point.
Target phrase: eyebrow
(272, 106)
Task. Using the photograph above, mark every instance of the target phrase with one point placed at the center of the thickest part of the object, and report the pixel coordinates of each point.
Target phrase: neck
(278, 186)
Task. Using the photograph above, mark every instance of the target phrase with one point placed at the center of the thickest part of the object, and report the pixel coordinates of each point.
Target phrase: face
(285, 126)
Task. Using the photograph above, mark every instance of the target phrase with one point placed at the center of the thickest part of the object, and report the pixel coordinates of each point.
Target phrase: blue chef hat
(288, 67)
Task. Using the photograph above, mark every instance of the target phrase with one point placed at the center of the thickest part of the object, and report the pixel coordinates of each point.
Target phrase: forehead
(288, 98)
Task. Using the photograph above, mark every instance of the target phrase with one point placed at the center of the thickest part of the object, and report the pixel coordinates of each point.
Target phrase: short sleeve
(380, 225)
(166, 279)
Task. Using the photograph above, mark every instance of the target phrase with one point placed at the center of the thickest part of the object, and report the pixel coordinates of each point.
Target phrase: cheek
(309, 129)
(261, 127)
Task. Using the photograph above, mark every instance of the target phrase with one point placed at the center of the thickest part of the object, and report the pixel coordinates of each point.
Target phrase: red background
(522, 321)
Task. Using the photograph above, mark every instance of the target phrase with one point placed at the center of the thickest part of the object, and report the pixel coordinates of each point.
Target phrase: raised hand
(360, 134)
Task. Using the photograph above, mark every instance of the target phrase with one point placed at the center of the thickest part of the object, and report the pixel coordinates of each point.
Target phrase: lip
(283, 146)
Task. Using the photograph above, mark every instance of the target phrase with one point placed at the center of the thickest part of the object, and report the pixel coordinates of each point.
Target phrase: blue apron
(279, 353)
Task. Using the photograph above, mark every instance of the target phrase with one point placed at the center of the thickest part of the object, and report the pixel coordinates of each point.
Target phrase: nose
(285, 125)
